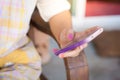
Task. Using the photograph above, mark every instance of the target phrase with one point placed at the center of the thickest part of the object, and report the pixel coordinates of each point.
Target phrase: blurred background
(103, 53)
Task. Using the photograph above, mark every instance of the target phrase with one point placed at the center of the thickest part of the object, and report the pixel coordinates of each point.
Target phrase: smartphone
(86, 39)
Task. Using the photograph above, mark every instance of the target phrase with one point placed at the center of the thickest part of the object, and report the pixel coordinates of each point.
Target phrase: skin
(61, 27)
(41, 44)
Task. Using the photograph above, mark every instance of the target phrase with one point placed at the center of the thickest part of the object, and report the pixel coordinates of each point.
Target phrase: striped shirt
(15, 16)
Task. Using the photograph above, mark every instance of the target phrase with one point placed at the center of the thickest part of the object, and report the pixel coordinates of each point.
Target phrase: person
(19, 60)
(41, 42)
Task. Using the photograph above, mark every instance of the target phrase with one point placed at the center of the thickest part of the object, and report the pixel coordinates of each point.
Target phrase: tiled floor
(99, 68)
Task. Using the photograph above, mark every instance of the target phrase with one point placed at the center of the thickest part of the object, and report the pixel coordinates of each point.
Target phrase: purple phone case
(76, 44)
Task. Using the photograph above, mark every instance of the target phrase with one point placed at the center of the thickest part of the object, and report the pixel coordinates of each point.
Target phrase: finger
(55, 50)
(70, 53)
(85, 45)
(74, 52)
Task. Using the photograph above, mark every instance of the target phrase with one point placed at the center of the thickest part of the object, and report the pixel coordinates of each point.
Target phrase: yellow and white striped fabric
(16, 50)
(12, 24)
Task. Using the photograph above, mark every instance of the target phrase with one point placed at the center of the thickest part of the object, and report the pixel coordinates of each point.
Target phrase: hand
(73, 53)
(68, 36)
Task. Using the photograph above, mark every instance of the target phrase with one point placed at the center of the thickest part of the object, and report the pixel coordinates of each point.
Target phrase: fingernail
(81, 47)
(61, 55)
(85, 45)
(55, 50)
(70, 36)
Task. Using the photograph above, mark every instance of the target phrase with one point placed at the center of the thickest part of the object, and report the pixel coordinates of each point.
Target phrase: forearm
(60, 22)
(61, 27)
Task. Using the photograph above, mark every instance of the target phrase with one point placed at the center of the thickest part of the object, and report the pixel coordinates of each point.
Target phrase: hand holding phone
(85, 37)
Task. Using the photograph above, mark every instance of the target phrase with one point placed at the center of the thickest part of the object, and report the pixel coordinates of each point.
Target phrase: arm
(60, 22)
(61, 26)
(76, 65)
(59, 17)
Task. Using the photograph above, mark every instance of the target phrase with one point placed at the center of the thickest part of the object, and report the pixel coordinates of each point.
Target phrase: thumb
(66, 36)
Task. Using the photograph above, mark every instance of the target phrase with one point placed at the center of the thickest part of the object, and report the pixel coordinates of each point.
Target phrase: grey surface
(99, 68)
(55, 69)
